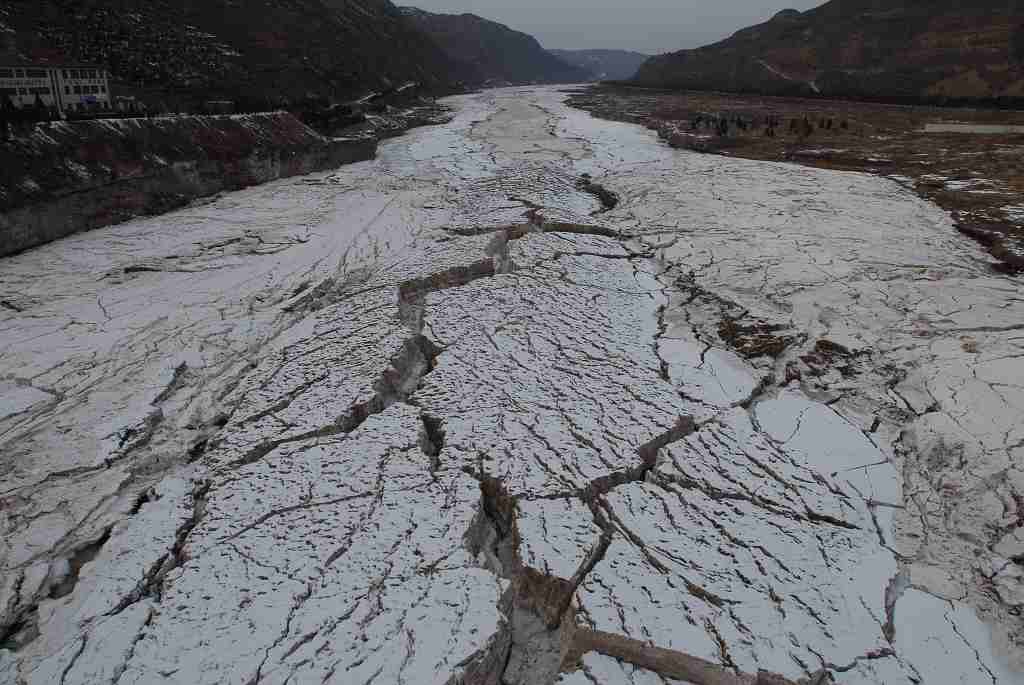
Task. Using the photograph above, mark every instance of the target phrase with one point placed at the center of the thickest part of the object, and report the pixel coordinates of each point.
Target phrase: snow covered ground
(449, 417)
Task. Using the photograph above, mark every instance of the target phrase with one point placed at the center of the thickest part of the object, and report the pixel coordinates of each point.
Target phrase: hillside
(277, 50)
(605, 65)
(497, 53)
(874, 48)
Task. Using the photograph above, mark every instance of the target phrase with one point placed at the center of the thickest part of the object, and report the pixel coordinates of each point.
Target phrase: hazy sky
(651, 26)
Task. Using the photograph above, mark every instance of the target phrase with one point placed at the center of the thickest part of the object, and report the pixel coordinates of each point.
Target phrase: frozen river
(456, 416)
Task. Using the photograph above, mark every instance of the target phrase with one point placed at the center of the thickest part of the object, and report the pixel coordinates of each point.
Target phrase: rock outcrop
(63, 177)
(495, 53)
(906, 49)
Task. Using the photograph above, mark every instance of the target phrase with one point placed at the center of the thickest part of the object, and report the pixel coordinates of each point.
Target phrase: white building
(68, 88)
(21, 84)
(82, 88)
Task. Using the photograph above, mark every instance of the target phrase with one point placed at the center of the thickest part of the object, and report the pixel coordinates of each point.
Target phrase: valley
(531, 397)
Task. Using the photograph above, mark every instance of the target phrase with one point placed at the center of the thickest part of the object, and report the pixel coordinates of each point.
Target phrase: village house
(66, 88)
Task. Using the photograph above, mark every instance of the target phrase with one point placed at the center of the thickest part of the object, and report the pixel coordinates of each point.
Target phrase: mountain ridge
(268, 50)
(497, 53)
(923, 49)
(606, 65)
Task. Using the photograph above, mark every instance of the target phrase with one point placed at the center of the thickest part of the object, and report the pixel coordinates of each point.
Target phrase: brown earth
(978, 178)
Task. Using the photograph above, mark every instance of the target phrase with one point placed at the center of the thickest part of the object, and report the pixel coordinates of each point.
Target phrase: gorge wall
(63, 177)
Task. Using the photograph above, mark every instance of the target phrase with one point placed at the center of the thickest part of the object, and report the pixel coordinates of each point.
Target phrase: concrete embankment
(64, 177)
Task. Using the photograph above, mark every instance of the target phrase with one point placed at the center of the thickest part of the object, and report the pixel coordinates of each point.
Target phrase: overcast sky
(651, 26)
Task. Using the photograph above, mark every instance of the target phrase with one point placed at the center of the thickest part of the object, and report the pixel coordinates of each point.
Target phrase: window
(6, 73)
(22, 91)
(103, 89)
(65, 73)
(20, 73)
(78, 90)
(74, 73)
(67, 90)
(36, 73)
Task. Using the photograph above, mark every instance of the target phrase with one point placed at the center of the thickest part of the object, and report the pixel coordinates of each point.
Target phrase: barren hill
(606, 65)
(264, 49)
(874, 48)
(497, 53)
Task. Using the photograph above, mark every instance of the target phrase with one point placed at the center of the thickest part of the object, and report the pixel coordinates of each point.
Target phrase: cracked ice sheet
(101, 341)
(15, 399)
(859, 260)
(548, 377)
(88, 634)
(719, 378)
(505, 198)
(738, 554)
(827, 442)
(556, 535)
(333, 560)
(923, 629)
(768, 234)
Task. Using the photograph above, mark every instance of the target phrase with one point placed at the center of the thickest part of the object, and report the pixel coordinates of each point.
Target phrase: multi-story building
(82, 88)
(67, 88)
(23, 83)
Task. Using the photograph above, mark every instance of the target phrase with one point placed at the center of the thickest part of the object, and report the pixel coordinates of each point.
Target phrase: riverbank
(61, 178)
(965, 160)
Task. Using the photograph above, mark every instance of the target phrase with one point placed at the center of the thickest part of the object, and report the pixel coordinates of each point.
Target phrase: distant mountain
(605, 65)
(497, 53)
(875, 48)
(259, 49)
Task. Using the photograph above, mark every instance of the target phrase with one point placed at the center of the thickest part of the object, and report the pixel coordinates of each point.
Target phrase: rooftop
(21, 64)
